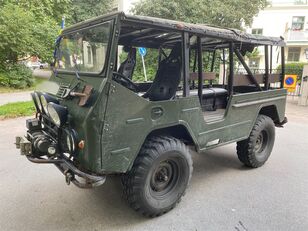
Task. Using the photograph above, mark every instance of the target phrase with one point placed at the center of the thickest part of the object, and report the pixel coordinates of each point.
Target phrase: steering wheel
(126, 82)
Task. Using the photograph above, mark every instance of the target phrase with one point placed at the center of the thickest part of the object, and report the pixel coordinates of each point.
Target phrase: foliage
(232, 13)
(12, 110)
(37, 83)
(22, 35)
(42, 9)
(254, 54)
(80, 10)
(151, 64)
(294, 69)
(16, 76)
(31, 27)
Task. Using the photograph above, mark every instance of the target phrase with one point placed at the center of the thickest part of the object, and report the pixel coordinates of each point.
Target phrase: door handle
(157, 112)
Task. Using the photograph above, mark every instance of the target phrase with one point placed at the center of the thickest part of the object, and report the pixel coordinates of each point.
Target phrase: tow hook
(68, 177)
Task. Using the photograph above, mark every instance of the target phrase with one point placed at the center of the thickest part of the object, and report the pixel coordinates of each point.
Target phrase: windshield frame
(103, 71)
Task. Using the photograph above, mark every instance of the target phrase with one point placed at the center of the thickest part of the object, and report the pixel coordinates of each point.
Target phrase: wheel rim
(261, 142)
(164, 178)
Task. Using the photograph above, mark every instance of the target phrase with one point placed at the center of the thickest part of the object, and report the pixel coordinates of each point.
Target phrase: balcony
(297, 36)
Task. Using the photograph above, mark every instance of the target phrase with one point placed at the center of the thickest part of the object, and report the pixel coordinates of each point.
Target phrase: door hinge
(106, 127)
(112, 89)
(111, 66)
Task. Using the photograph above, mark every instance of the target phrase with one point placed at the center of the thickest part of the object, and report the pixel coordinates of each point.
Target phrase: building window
(254, 63)
(298, 22)
(258, 31)
(294, 54)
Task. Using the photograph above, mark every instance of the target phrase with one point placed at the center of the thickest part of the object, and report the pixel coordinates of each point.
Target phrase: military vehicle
(97, 120)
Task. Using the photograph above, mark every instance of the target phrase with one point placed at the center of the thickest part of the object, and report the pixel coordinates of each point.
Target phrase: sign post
(290, 82)
(143, 52)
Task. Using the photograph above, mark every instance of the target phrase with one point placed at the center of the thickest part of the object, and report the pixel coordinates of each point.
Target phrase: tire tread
(150, 151)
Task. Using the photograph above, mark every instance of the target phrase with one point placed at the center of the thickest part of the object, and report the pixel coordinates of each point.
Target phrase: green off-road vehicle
(98, 118)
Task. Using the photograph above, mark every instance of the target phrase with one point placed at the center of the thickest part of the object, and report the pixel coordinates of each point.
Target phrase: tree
(42, 9)
(22, 35)
(31, 27)
(81, 10)
(231, 13)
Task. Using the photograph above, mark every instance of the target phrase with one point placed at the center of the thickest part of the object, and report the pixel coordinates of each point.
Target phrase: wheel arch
(179, 131)
(270, 111)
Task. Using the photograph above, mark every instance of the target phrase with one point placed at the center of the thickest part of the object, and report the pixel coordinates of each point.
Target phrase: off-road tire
(254, 151)
(163, 161)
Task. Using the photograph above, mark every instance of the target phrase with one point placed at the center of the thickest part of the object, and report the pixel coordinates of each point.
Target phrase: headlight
(69, 141)
(36, 104)
(45, 99)
(57, 113)
(38, 101)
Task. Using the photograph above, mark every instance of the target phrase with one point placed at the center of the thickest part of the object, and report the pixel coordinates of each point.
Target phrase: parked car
(37, 65)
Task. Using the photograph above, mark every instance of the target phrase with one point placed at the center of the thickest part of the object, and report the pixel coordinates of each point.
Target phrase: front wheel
(159, 176)
(254, 151)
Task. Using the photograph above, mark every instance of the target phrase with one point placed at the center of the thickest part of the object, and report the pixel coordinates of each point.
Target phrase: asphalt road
(42, 73)
(223, 195)
(14, 97)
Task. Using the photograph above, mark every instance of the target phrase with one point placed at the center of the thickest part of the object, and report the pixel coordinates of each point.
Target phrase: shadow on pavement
(107, 201)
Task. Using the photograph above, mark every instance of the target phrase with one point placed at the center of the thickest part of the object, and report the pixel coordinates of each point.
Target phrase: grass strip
(18, 109)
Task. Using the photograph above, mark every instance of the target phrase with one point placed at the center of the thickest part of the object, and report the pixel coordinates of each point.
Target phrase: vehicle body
(99, 122)
(37, 65)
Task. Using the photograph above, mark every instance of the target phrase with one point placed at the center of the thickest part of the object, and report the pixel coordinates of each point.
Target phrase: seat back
(128, 66)
(167, 77)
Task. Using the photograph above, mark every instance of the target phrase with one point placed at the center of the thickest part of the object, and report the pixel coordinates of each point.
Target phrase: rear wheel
(255, 150)
(159, 176)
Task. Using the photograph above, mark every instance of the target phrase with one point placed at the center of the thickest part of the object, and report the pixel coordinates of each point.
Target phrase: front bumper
(64, 164)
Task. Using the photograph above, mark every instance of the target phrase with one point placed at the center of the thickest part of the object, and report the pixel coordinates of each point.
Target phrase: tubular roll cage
(229, 38)
(232, 51)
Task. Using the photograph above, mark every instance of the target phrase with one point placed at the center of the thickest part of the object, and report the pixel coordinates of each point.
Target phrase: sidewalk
(14, 97)
(295, 112)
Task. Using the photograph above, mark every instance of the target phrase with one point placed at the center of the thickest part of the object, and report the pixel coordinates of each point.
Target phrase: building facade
(285, 18)
(124, 5)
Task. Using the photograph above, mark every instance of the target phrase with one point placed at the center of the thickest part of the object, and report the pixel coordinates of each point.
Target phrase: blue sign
(63, 22)
(289, 81)
(142, 51)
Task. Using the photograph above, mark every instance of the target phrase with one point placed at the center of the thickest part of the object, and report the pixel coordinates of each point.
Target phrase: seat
(167, 77)
(128, 66)
(214, 92)
(210, 92)
(212, 98)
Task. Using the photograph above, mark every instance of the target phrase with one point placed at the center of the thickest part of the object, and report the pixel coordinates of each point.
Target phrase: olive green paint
(117, 122)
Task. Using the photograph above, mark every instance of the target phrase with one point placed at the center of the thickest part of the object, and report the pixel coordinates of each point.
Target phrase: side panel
(240, 117)
(130, 118)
